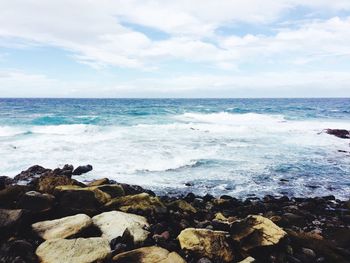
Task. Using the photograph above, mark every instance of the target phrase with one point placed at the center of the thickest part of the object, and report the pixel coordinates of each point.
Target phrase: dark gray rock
(82, 169)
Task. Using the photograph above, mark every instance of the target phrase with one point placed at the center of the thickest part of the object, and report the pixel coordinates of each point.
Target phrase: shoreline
(128, 223)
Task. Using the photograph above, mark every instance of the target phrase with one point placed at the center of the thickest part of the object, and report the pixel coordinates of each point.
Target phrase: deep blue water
(231, 146)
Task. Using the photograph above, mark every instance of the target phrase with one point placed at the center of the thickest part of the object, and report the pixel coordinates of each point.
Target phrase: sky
(182, 48)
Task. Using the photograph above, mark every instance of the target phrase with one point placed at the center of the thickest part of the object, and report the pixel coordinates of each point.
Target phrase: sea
(238, 147)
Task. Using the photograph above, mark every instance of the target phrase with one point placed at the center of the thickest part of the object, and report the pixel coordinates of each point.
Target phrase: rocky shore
(46, 216)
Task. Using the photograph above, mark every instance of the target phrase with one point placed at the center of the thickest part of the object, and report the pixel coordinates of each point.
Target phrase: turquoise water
(220, 146)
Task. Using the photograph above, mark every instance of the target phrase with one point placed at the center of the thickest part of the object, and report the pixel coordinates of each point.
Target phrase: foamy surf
(212, 152)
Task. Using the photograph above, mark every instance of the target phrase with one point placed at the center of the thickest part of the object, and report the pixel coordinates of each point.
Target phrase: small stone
(309, 252)
(248, 260)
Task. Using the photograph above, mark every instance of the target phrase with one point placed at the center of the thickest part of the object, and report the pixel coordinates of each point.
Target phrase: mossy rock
(183, 206)
(140, 203)
(48, 183)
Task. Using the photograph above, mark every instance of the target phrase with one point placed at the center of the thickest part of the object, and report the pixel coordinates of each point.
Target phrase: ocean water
(240, 147)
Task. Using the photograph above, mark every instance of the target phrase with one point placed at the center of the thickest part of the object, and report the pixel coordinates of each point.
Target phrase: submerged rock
(113, 224)
(256, 231)
(206, 243)
(62, 228)
(141, 203)
(80, 250)
(149, 255)
(82, 169)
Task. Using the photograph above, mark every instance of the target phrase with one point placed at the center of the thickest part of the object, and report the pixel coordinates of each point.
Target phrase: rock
(113, 190)
(344, 134)
(73, 199)
(82, 169)
(248, 260)
(113, 224)
(308, 252)
(148, 255)
(206, 243)
(11, 194)
(67, 170)
(17, 251)
(5, 181)
(141, 203)
(256, 231)
(31, 173)
(10, 219)
(80, 250)
(62, 228)
(183, 206)
(36, 202)
(204, 260)
(48, 183)
(99, 182)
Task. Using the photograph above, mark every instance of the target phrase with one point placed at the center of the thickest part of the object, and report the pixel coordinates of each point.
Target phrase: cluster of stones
(54, 218)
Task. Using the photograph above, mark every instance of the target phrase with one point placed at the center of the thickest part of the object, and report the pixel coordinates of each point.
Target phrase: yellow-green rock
(206, 243)
(149, 255)
(183, 206)
(140, 202)
(255, 231)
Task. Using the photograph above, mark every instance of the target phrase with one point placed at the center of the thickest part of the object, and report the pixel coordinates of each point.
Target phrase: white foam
(163, 155)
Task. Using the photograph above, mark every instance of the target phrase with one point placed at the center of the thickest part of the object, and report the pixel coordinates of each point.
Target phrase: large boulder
(113, 224)
(47, 183)
(140, 203)
(206, 243)
(82, 169)
(73, 199)
(256, 231)
(344, 134)
(62, 228)
(80, 250)
(149, 255)
(36, 202)
(10, 219)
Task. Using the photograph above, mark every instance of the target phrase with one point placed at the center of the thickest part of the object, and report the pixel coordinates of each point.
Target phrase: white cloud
(94, 30)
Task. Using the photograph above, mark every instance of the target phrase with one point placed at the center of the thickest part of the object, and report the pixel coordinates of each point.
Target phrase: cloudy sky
(182, 48)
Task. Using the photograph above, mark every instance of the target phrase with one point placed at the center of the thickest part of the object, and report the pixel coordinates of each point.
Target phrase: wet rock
(80, 250)
(135, 189)
(10, 219)
(204, 260)
(206, 243)
(113, 224)
(256, 231)
(31, 173)
(18, 251)
(62, 228)
(343, 134)
(67, 170)
(74, 199)
(36, 202)
(5, 181)
(48, 183)
(182, 206)
(113, 190)
(11, 194)
(149, 255)
(82, 169)
(140, 203)
(248, 260)
(99, 182)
